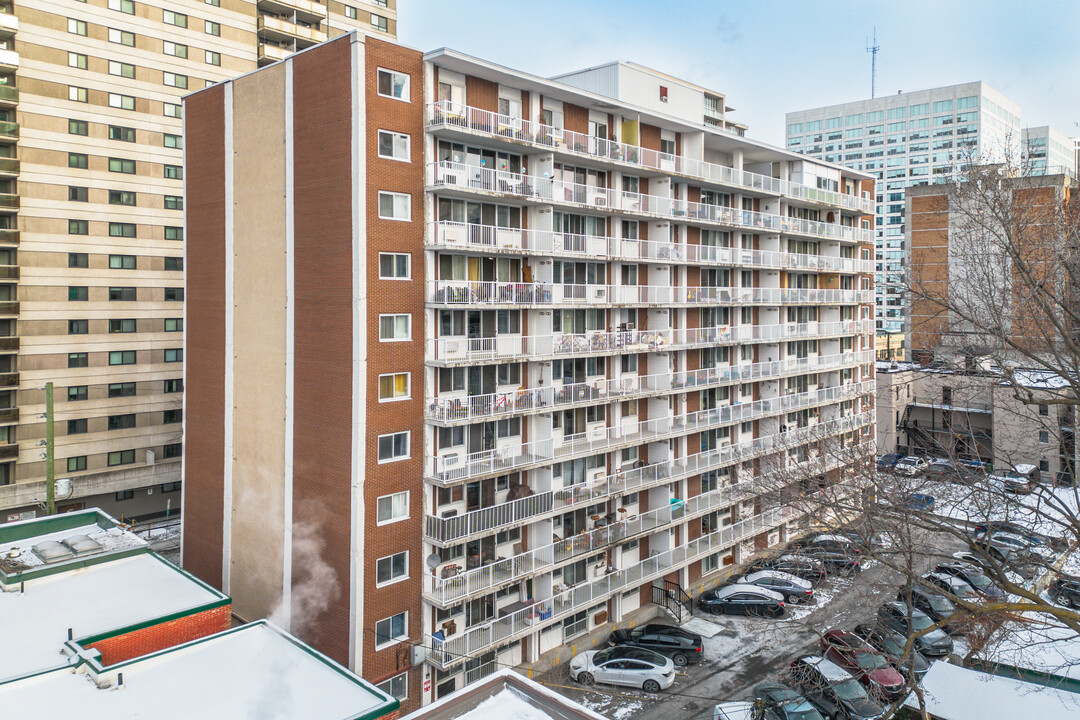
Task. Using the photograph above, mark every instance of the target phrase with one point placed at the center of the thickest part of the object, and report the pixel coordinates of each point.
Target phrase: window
(172, 110)
(121, 197)
(1044, 465)
(77, 27)
(174, 233)
(393, 328)
(77, 160)
(174, 172)
(121, 389)
(123, 134)
(212, 28)
(78, 293)
(121, 37)
(174, 355)
(350, 12)
(1044, 410)
(124, 6)
(392, 568)
(394, 266)
(391, 629)
(393, 84)
(75, 464)
(122, 325)
(77, 360)
(121, 69)
(394, 145)
(121, 229)
(172, 416)
(170, 487)
(1044, 436)
(394, 387)
(78, 260)
(175, 80)
(78, 327)
(122, 294)
(213, 58)
(124, 102)
(78, 194)
(121, 262)
(397, 686)
(174, 324)
(395, 206)
(174, 263)
(122, 357)
(174, 18)
(173, 385)
(120, 165)
(123, 457)
(76, 94)
(391, 508)
(175, 49)
(77, 60)
(122, 422)
(379, 22)
(174, 202)
(78, 127)
(76, 427)
(173, 450)
(77, 392)
(174, 294)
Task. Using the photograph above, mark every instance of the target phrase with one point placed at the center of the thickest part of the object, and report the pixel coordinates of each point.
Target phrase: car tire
(716, 610)
(650, 686)
(680, 660)
(794, 599)
(1067, 600)
(586, 678)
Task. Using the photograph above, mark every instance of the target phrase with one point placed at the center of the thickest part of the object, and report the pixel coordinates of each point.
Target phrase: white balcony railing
(447, 114)
(547, 190)
(490, 239)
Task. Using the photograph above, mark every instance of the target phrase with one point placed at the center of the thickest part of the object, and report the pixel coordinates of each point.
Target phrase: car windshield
(604, 656)
(801, 710)
(867, 660)
(940, 604)
(849, 690)
(920, 622)
(977, 579)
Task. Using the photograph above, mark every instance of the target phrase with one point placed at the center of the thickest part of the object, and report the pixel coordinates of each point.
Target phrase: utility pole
(50, 472)
(873, 50)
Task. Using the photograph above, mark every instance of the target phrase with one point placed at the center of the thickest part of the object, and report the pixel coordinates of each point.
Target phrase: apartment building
(92, 228)
(510, 353)
(1046, 151)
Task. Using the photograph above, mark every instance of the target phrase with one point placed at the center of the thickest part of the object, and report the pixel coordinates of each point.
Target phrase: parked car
(794, 589)
(952, 585)
(1056, 543)
(682, 646)
(888, 461)
(895, 616)
(832, 690)
(843, 561)
(742, 599)
(893, 644)
(632, 667)
(865, 663)
(735, 711)
(912, 465)
(1014, 549)
(1065, 590)
(944, 469)
(798, 565)
(1023, 479)
(865, 538)
(919, 501)
(936, 606)
(783, 703)
(974, 577)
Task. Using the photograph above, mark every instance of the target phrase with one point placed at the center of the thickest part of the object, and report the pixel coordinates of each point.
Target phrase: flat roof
(100, 598)
(253, 671)
(503, 695)
(956, 693)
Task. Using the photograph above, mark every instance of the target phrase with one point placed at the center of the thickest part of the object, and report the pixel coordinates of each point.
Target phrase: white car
(794, 589)
(912, 466)
(734, 711)
(629, 666)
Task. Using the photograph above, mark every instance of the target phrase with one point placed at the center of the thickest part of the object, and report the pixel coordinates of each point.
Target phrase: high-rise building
(478, 357)
(1045, 151)
(92, 231)
(907, 139)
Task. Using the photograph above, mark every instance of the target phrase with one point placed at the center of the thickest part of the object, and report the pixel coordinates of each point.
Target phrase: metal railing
(548, 190)
(448, 114)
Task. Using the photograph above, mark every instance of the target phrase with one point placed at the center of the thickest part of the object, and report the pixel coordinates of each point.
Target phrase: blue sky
(774, 56)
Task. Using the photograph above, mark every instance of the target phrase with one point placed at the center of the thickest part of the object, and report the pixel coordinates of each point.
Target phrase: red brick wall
(164, 635)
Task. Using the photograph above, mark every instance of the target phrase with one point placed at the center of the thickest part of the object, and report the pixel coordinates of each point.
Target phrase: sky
(770, 57)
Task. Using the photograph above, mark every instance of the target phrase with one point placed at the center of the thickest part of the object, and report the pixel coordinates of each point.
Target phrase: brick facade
(161, 636)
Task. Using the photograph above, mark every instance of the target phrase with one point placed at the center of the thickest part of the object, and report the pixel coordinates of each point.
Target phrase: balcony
(9, 24)
(9, 415)
(9, 344)
(9, 166)
(470, 120)
(473, 179)
(9, 452)
(274, 28)
(9, 131)
(9, 96)
(449, 467)
(272, 53)
(9, 272)
(9, 379)
(9, 308)
(9, 59)
(487, 239)
(9, 202)
(304, 10)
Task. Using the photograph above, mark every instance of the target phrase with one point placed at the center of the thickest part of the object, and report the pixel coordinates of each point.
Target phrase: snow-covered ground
(1049, 511)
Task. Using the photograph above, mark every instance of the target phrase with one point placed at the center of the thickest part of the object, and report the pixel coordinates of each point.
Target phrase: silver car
(911, 466)
(632, 667)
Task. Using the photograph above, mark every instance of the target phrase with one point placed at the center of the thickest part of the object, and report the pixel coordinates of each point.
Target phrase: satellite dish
(433, 560)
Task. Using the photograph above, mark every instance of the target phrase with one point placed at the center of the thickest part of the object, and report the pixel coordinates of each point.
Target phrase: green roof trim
(10, 532)
(1035, 677)
(69, 565)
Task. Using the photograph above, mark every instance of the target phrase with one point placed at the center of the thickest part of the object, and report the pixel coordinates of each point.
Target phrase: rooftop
(956, 693)
(503, 695)
(255, 670)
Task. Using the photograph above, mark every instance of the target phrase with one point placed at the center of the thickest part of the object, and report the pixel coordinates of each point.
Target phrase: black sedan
(1065, 590)
(783, 703)
(742, 599)
(892, 644)
(682, 646)
(836, 561)
(801, 566)
(934, 643)
(936, 606)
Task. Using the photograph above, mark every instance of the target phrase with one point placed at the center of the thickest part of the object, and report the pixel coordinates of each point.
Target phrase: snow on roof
(504, 695)
(17, 541)
(955, 693)
(1039, 379)
(253, 671)
(90, 600)
(1041, 645)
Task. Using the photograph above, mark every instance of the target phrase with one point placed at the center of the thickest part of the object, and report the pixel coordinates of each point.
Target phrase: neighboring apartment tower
(477, 357)
(1047, 152)
(91, 228)
(907, 139)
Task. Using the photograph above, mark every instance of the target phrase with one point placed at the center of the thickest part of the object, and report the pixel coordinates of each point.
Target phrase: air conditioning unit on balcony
(447, 461)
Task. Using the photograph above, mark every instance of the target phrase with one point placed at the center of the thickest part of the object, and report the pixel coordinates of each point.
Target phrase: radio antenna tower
(873, 50)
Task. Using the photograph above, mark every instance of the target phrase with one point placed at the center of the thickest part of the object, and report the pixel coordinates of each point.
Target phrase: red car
(869, 666)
